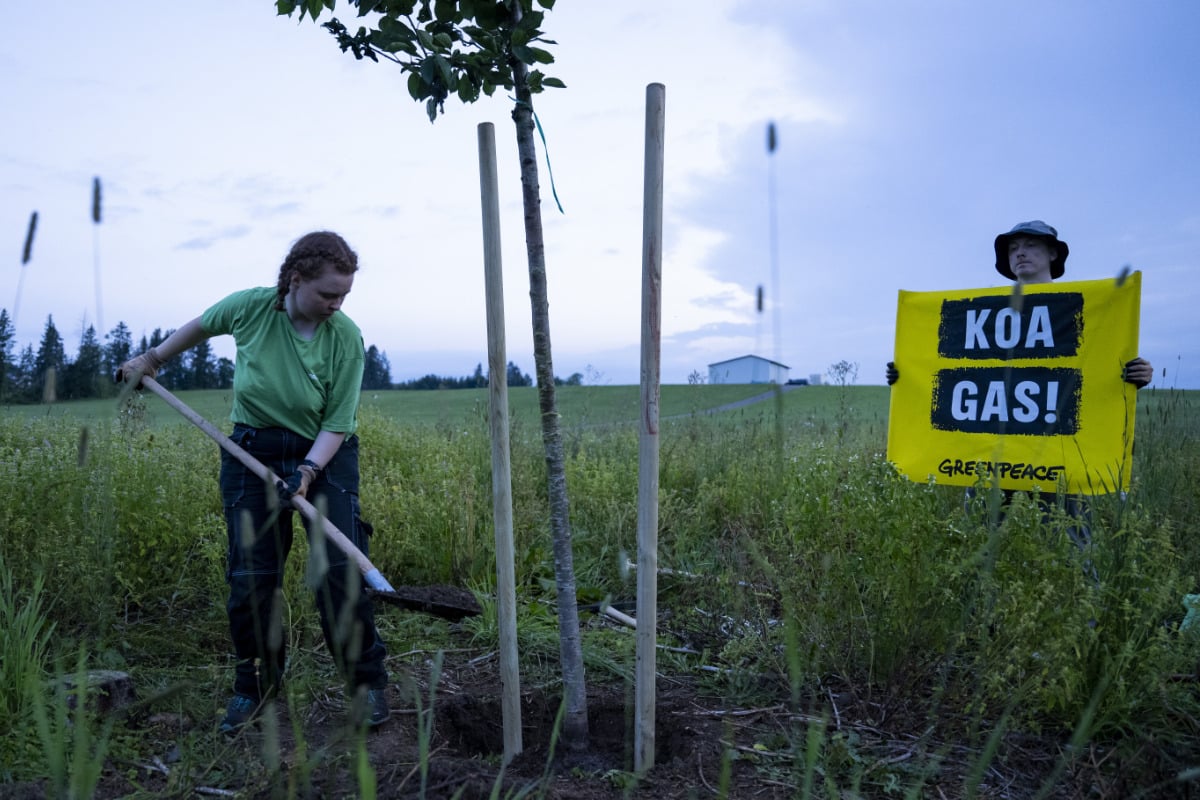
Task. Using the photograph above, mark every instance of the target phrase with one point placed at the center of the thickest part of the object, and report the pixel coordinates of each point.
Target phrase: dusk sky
(910, 134)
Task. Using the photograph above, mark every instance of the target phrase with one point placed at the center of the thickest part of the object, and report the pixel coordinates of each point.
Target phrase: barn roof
(742, 358)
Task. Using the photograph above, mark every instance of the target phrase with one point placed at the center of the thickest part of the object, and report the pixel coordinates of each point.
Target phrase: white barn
(748, 369)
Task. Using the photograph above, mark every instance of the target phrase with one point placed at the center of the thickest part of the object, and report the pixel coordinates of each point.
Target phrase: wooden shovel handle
(372, 575)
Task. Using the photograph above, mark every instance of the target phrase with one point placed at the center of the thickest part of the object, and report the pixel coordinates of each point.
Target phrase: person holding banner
(1032, 253)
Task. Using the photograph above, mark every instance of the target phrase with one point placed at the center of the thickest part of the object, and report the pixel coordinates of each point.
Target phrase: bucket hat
(1033, 228)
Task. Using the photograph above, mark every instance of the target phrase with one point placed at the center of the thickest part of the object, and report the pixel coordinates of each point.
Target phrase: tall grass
(25, 642)
(74, 745)
(806, 572)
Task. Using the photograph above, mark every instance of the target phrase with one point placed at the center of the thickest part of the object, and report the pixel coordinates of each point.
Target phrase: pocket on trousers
(365, 529)
(233, 473)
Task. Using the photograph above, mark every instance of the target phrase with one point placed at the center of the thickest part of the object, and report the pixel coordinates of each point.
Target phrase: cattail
(773, 243)
(96, 248)
(25, 256)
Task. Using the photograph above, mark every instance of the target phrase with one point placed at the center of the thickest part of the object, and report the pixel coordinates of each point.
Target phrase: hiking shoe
(241, 711)
(370, 707)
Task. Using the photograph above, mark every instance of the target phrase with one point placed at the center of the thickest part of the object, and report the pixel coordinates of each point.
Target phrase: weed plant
(25, 644)
(73, 743)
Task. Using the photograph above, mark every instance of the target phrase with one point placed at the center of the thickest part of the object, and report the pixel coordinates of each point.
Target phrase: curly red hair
(309, 255)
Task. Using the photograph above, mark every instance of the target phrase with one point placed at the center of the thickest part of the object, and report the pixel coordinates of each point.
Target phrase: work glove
(1138, 372)
(145, 365)
(893, 374)
(297, 483)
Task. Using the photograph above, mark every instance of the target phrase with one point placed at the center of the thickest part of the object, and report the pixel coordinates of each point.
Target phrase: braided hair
(308, 257)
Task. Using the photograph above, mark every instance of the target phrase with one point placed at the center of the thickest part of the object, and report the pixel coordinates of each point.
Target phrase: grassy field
(910, 645)
(578, 405)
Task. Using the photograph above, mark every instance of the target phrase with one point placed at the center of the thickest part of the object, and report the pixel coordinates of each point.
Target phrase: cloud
(909, 135)
(205, 242)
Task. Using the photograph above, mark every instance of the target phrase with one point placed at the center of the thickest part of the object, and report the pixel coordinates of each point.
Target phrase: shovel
(447, 602)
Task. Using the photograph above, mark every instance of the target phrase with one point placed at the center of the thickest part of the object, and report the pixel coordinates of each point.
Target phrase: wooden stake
(506, 591)
(647, 589)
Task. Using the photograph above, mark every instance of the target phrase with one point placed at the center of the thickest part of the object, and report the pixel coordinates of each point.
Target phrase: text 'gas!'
(1029, 401)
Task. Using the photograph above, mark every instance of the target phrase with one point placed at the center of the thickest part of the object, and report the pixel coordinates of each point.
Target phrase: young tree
(516, 377)
(25, 385)
(7, 365)
(377, 372)
(81, 378)
(176, 374)
(50, 362)
(464, 48)
(202, 367)
(224, 373)
(118, 348)
(574, 379)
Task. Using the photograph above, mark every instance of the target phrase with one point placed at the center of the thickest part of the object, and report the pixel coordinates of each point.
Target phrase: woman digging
(299, 368)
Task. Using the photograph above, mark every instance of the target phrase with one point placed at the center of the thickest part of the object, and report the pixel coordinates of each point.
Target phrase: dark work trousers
(260, 537)
(1075, 507)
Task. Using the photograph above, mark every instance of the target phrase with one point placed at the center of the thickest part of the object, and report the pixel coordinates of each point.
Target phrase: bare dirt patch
(706, 747)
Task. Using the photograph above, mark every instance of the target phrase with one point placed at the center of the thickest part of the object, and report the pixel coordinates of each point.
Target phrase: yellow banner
(1021, 385)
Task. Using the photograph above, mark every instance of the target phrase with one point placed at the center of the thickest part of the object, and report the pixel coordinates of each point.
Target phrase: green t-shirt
(281, 380)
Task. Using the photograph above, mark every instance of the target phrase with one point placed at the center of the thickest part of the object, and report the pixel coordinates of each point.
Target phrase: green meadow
(804, 576)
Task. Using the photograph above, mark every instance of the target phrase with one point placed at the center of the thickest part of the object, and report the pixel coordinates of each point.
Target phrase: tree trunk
(575, 721)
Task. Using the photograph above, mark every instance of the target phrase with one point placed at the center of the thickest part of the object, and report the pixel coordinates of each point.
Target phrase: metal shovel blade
(447, 602)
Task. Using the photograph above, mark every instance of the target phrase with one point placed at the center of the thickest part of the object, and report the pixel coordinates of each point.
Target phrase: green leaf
(285, 7)
(414, 86)
(391, 25)
(546, 4)
(446, 73)
(443, 41)
(467, 92)
(554, 82)
(531, 22)
(429, 73)
(314, 8)
(425, 39)
(445, 10)
(491, 15)
(542, 56)
(431, 108)
(524, 53)
(393, 37)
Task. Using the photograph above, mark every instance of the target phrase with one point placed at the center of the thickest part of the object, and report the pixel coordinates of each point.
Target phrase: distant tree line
(476, 380)
(48, 374)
